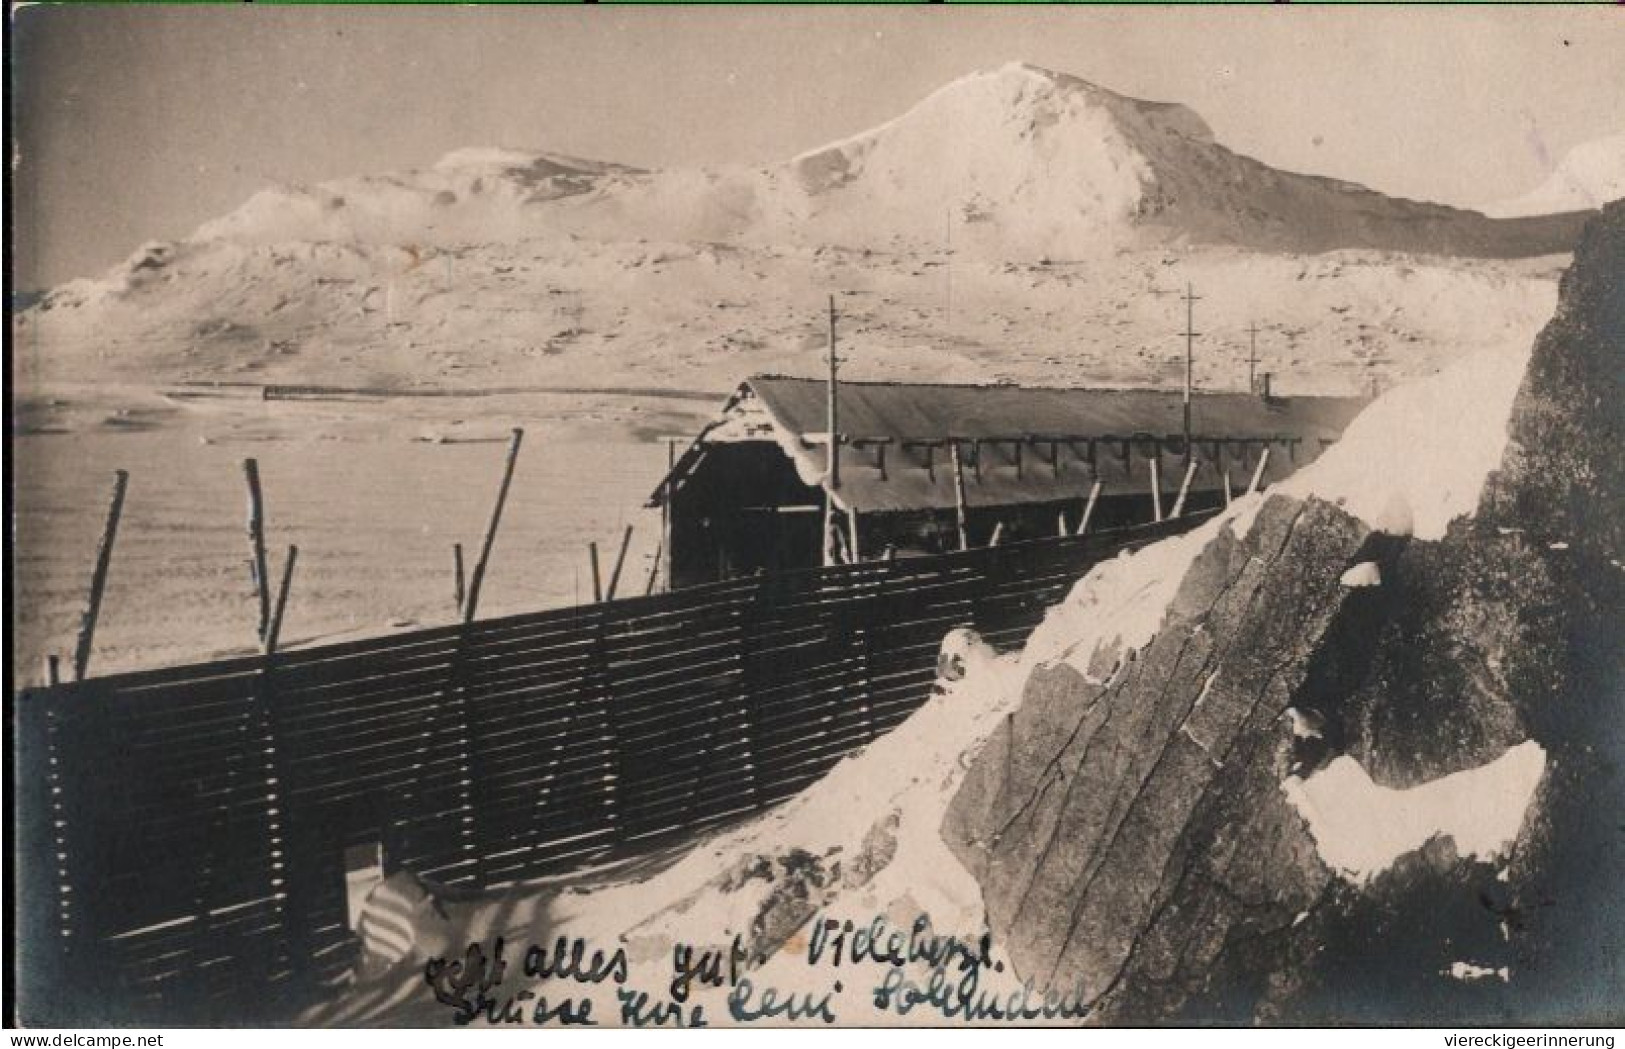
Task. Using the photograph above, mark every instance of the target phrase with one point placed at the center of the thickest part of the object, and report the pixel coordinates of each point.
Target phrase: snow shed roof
(1020, 444)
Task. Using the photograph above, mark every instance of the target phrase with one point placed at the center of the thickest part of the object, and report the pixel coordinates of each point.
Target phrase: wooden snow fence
(183, 831)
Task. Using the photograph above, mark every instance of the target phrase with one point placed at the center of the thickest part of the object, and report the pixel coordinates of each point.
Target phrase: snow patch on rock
(1360, 828)
(1366, 573)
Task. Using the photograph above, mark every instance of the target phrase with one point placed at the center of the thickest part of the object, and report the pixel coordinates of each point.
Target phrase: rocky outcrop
(1132, 835)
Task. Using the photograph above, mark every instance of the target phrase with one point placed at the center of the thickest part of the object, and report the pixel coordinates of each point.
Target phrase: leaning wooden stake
(457, 579)
(959, 496)
(1089, 507)
(256, 540)
(654, 569)
(477, 580)
(1258, 474)
(273, 631)
(597, 581)
(620, 560)
(1156, 488)
(98, 577)
(998, 533)
(1060, 524)
(1184, 488)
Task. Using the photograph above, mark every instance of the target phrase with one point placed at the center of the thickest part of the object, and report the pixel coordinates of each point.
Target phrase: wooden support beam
(597, 580)
(852, 526)
(1060, 524)
(1089, 508)
(53, 669)
(1258, 474)
(256, 540)
(1227, 495)
(477, 580)
(1020, 447)
(98, 577)
(961, 510)
(831, 551)
(844, 550)
(1156, 484)
(1184, 488)
(998, 533)
(620, 561)
(273, 630)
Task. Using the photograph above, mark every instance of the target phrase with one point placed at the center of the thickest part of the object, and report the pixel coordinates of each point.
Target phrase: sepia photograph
(816, 516)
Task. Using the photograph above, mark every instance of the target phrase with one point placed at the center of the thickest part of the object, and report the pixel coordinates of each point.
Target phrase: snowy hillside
(1589, 176)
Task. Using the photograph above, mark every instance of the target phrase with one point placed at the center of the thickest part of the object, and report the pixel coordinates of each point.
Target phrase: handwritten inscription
(890, 971)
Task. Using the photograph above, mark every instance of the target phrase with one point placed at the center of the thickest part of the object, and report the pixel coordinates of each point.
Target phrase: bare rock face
(1133, 837)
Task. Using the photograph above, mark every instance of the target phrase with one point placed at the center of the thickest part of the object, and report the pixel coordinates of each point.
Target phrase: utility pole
(832, 462)
(834, 430)
(1190, 334)
(1252, 359)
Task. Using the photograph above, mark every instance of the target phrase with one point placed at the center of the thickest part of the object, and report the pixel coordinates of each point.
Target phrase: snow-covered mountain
(1589, 176)
(1013, 163)
(969, 233)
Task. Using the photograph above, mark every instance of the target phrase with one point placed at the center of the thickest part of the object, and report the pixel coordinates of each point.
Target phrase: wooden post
(1156, 484)
(597, 582)
(654, 569)
(457, 569)
(1060, 524)
(1184, 488)
(852, 526)
(273, 631)
(53, 669)
(1258, 474)
(256, 539)
(477, 580)
(98, 577)
(1089, 507)
(1227, 496)
(959, 496)
(665, 514)
(998, 533)
(620, 560)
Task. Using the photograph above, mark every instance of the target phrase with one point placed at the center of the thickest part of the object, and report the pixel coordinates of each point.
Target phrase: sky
(140, 123)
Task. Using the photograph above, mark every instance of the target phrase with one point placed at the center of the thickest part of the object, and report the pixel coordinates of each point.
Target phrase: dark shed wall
(743, 509)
